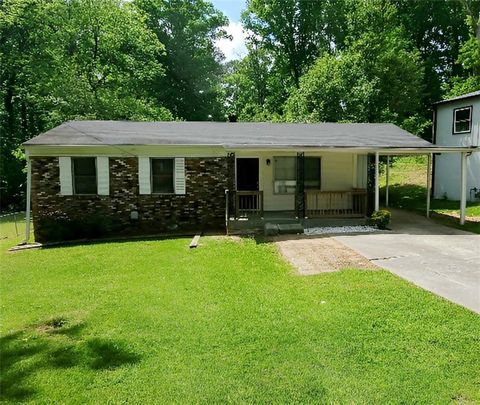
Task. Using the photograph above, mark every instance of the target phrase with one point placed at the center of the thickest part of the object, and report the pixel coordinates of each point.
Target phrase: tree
(437, 29)
(469, 56)
(293, 29)
(377, 79)
(253, 90)
(188, 29)
(65, 60)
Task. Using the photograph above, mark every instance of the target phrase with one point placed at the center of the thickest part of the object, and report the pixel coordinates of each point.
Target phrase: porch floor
(255, 224)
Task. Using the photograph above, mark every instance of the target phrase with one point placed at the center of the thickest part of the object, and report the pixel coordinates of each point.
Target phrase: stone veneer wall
(58, 217)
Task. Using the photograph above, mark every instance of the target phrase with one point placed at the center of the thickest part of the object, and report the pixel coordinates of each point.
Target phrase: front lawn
(155, 322)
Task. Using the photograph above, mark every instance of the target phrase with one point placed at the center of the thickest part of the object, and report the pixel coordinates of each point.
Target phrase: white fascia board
(217, 151)
(383, 151)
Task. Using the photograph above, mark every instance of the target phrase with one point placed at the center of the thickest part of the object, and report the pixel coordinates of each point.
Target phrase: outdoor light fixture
(268, 162)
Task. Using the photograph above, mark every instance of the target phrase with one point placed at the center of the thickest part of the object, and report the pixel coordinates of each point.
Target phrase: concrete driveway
(440, 259)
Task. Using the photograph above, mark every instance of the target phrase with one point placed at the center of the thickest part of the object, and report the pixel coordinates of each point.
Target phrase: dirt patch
(52, 325)
(315, 255)
(231, 238)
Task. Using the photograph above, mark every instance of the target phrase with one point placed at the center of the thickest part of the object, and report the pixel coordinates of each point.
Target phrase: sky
(234, 49)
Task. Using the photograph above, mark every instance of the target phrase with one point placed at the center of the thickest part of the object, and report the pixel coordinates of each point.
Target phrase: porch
(315, 208)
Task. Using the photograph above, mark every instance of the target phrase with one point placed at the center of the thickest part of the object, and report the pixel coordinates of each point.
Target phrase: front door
(247, 174)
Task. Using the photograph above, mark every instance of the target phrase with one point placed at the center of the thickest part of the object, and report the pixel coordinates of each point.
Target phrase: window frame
(173, 175)
(72, 162)
(275, 192)
(455, 110)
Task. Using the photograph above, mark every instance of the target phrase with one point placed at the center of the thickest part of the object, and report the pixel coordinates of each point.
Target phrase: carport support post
(29, 198)
(463, 191)
(377, 190)
(429, 182)
(387, 180)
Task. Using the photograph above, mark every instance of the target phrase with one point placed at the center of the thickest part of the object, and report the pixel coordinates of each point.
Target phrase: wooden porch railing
(351, 203)
(248, 203)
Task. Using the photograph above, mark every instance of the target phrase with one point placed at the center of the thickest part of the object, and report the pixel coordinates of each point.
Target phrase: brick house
(95, 178)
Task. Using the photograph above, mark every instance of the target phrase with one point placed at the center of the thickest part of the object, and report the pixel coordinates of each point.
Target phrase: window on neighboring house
(285, 175)
(162, 176)
(312, 173)
(84, 171)
(462, 120)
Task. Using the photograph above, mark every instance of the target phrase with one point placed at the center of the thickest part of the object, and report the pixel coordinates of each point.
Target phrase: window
(285, 175)
(162, 176)
(312, 173)
(462, 120)
(84, 175)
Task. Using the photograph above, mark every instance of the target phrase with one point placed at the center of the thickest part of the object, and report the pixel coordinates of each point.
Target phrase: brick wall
(58, 217)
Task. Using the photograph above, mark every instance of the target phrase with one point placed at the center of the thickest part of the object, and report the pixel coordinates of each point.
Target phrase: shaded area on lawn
(52, 346)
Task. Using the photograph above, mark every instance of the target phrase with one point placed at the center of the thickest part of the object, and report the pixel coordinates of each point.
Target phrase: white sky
(235, 48)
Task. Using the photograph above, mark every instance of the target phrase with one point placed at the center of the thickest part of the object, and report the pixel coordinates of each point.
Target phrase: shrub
(51, 229)
(380, 219)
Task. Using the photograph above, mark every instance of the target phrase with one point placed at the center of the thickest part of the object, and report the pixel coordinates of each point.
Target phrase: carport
(465, 152)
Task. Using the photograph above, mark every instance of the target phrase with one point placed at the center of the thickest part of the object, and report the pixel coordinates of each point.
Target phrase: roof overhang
(459, 98)
(381, 150)
(218, 150)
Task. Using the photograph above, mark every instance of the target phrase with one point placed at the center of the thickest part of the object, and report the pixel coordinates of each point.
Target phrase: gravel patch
(324, 230)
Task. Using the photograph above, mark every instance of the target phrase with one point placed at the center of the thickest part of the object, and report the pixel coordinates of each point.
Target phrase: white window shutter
(103, 175)
(179, 176)
(65, 165)
(144, 184)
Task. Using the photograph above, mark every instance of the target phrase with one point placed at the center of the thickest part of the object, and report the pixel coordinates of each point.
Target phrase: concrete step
(272, 229)
(290, 228)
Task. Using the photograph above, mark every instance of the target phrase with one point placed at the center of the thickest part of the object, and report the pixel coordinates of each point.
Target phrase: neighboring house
(457, 123)
(90, 178)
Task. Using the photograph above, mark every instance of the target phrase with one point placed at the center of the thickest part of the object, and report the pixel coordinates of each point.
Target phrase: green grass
(156, 322)
(408, 190)
(12, 226)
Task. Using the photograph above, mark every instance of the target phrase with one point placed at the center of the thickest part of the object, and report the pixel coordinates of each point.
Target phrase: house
(91, 178)
(457, 123)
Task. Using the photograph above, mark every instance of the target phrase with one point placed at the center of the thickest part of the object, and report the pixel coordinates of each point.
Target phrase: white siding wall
(447, 166)
(362, 161)
(337, 174)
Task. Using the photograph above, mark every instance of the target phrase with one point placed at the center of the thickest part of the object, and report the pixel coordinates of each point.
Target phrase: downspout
(429, 182)
(377, 183)
(29, 199)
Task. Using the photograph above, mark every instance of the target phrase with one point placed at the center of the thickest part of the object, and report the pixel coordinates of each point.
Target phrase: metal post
(429, 182)
(463, 191)
(29, 197)
(227, 197)
(16, 225)
(387, 180)
(377, 190)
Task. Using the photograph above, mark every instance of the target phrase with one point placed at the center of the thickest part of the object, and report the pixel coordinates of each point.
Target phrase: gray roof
(463, 96)
(323, 135)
